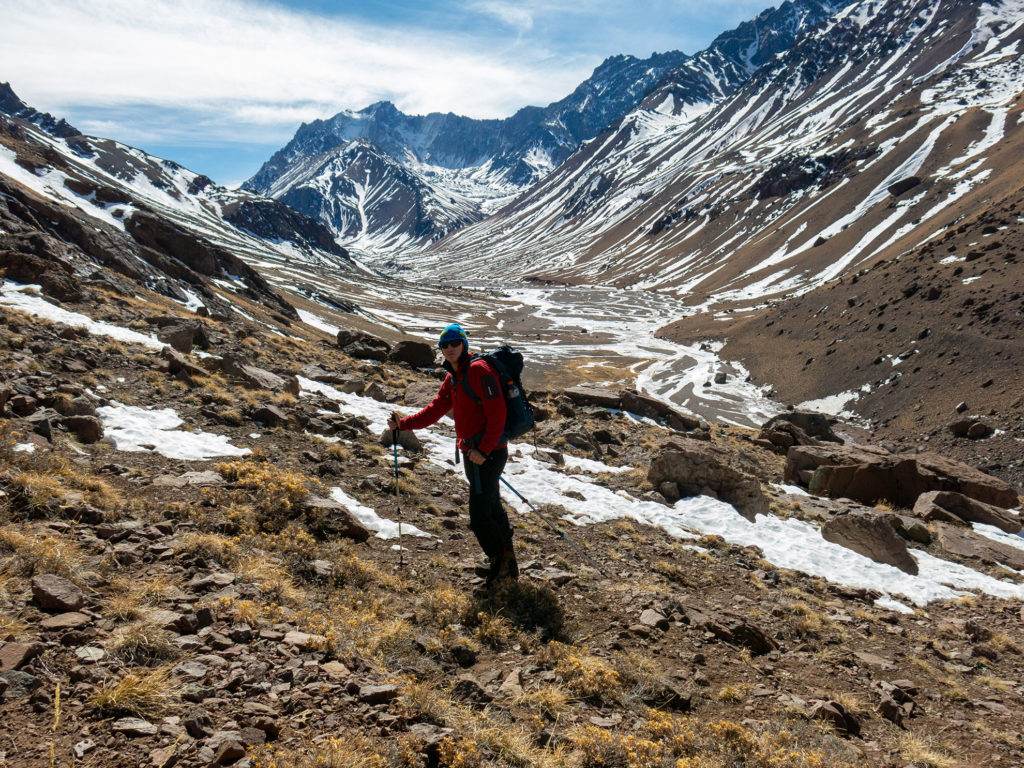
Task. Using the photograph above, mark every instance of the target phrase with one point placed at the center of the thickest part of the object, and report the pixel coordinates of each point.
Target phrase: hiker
(479, 423)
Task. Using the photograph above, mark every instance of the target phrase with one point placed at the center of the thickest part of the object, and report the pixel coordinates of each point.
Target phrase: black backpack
(518, 412)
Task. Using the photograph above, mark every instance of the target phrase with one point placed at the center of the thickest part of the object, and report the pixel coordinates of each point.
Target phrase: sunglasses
(450, 344)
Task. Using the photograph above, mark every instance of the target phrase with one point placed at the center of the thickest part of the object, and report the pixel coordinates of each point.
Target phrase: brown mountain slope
(951, 310)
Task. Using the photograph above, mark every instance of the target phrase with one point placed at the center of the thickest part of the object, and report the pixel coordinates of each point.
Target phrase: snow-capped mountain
(149, 219)
(384, 180)
(869, 135)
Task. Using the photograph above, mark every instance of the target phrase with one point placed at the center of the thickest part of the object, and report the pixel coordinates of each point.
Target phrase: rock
(327, 517)
(90, 654)
(645, 405)
(903, 186)
(419, 393)
(967, 543)
(377, 694)
(870, 475)
(816, 426)
(652, 618)
(513, 684)
(665, 693)
(197, 723)
(833, 712)
(967, 509)
(229, 751)
(979, 431)
(257, 378)
(736, 630)
(84, 747)
(406, 438)
(178, 363)
(269, 415)
(56, 594)
(872, 535)
(336, 670)
(694, 466)
(417, 354)
(164, 757)
(62, 621)
(134, 727)
(595, 396)
(16, 684)
(367, 348)
(468, 689)
(911, 528)
(16, 655)
(88, 429)
(305, 641)
(184, 335)
(463, 654)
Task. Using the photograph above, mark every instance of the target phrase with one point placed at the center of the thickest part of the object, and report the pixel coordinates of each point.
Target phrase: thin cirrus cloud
(231, 60)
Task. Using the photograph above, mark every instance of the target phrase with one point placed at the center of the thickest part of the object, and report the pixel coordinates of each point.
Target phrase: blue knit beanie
(453, 332)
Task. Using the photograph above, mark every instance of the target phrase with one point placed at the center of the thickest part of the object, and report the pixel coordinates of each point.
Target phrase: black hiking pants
(487, 516)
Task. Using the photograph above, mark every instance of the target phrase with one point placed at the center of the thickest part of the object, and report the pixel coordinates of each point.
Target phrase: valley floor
(210, 612)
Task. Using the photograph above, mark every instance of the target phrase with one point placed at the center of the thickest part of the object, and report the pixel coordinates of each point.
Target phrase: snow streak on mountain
(386, 181)
(150, 219)
(869, 135)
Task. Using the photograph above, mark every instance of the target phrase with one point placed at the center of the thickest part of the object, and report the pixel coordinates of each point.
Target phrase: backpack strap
(465, 380)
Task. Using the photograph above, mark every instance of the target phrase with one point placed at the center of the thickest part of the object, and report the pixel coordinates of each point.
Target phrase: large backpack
(509, 366)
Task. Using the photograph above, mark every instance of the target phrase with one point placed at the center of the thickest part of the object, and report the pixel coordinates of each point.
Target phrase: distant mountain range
(384, 180)
(871, 134)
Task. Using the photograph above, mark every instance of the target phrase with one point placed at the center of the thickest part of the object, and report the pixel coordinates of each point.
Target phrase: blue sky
(219, 85)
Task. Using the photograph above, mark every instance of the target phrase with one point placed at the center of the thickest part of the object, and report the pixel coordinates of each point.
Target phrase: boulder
(178, 363)
(363, 346)
(645, 405)
(56, 594)
(594, 396)
(420, 393)
(967, 509)
(870, 534)
(88, 429)
(406, 438)
(869, 475)
(814, 425)
(417, 354)
(15, 655)
(269, 415)
(780, 436)
(327, 517)
(802, 460)
(836, 715)
(696, 466)
(967, 543)
(257, 378)
(182, 336)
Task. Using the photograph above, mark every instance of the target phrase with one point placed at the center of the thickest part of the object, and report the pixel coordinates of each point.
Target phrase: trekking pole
(398, 498)
(551, 525)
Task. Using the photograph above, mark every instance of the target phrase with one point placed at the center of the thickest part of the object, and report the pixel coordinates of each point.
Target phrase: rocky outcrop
(253, 377)
(869, 475)
(697, 467)
(872, 535)
(930, 505)
(363, 346)
(417, 354)
(966, 543)
(635, 402)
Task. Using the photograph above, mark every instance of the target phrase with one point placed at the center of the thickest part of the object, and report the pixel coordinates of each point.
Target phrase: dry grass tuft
(27, 554)
(143, 692)
(922, 750)
(142, 643)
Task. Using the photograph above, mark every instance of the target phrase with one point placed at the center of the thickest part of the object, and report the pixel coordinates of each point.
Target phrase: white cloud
(515, 15)
(240, 60)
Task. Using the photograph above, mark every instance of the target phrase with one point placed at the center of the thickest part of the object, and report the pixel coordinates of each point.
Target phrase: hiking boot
(506, 567)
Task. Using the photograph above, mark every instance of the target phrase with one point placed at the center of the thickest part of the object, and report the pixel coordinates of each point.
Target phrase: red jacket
(477, 425)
